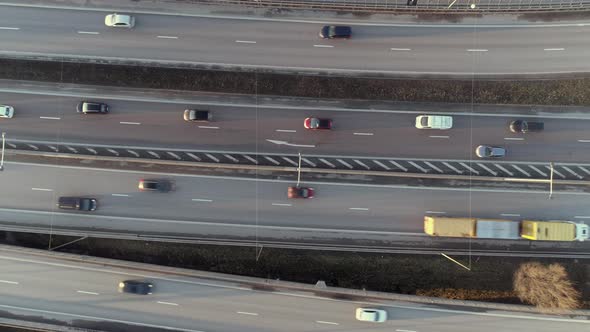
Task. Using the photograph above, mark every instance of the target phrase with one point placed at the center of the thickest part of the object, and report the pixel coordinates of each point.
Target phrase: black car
(335, 32)
(136, 287)
(92, 107)
(77, 203)
(160, 185)
(523, 126)
(197, 115)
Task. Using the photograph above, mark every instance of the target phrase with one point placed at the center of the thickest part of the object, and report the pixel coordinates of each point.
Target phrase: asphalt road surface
(249, 129)
(248, 202)
(444, 48)
(65, 290)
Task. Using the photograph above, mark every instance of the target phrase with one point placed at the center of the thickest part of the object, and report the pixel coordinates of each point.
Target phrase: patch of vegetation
(546, 286)
(565, 91)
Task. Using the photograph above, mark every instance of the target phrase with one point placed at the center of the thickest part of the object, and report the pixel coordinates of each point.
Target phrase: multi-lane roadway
(201, 201)
(407, 48)
(83, 292)
(248, 128)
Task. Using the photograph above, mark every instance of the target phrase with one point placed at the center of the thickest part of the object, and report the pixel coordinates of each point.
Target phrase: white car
(371, 315)
(441, 122)
(119, 21)
(6, 111)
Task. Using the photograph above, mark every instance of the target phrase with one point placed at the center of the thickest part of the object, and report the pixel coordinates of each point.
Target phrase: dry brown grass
(546, 286)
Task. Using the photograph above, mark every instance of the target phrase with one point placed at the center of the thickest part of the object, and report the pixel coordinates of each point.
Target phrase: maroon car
(317, 123)
(300, 192)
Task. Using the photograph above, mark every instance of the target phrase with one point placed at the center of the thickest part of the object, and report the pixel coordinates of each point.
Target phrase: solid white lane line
(582, 217)
(120, 195)
(436, 212)
(286, 130)
(477, 50)
(49, 118)
(246, 41)
(510, 214)
(281, 204)
(167, 303)
(89, 293)
(400, 49)
(514, 138)
(130, 123)
(9, 28)
(359, 209)
(168, 37)
(208, 127)
(363, 134)
(41, 189)
(9, 282)
(438, 136)
(324, 322)
(554, 49)
(327, 46)
(89, 32)
(247, 313)
(584, 140)
(201, 200)
(94, 318)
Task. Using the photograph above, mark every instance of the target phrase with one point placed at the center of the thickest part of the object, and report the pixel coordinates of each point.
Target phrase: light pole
(2, 160)
(299, 170)
(551, 182)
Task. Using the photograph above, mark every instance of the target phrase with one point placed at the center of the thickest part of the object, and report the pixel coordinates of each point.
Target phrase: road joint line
(9, 282)
(41, 189)
(325, 322)
(85, 292)
(202, 200)
(167, 303)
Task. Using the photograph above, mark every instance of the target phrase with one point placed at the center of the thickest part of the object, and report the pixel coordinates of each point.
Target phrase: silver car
(486, 151)
(119, 21)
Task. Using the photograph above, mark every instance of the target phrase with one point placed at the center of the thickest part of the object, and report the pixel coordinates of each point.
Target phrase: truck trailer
(505, 229)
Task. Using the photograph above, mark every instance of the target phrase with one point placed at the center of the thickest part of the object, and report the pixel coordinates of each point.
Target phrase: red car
(317, 123)
(300, 192)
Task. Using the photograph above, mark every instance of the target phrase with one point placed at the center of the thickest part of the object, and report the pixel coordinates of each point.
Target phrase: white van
(441, 122)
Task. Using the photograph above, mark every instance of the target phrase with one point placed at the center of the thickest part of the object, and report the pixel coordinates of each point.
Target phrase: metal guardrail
(489, 168)
(416, 5)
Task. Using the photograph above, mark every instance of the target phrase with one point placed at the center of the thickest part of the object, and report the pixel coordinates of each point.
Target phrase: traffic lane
(248, 202)
(281, 51)
(49, 287)
(77, 291)
(246, 129)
